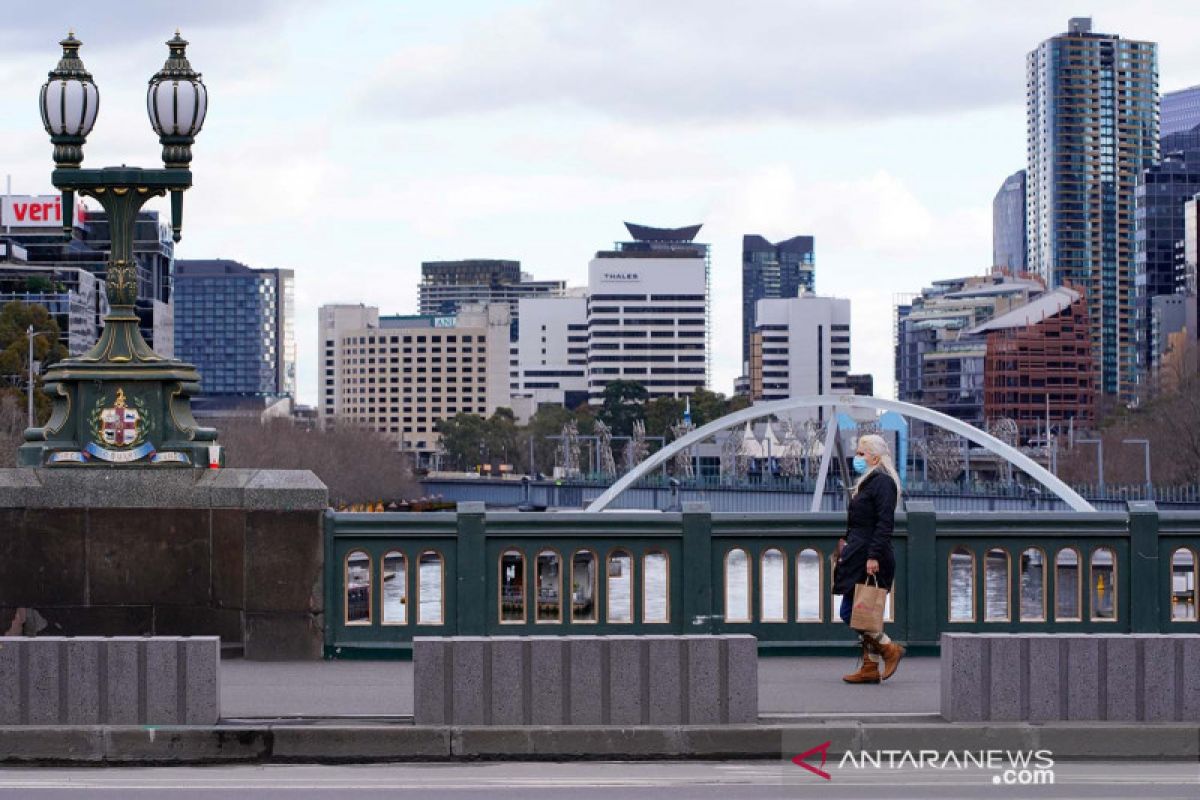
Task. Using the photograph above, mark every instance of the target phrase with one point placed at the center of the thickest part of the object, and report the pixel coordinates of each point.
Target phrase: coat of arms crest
(119, 423)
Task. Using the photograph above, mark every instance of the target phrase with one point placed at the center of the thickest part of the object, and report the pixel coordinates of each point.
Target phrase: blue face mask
(860, 464)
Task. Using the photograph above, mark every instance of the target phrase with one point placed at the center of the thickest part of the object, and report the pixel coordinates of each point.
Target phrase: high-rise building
(1180, 111)
(1164, 189)
(800, 346)
(401, 375)
(237, 325)
(1038, 368)
(1092, 125)
(1008, 224)
(446, 286)
(647, 313)
(938, 364)
(552, 351)
(773, 270)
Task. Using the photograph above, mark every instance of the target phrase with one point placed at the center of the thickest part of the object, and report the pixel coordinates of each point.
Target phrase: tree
(15, 319)
(623, 404)
(464, 439)
(661, 413)
(547, 421)
(358, 465)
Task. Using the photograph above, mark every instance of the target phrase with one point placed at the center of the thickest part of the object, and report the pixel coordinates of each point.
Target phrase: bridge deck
(787, 686)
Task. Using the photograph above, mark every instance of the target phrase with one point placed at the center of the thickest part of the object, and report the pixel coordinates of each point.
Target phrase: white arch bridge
(832, 404)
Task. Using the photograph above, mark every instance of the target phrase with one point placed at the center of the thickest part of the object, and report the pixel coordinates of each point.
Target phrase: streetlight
(122, 404)
(1149, 484)
(1099, 459)
(32, 335)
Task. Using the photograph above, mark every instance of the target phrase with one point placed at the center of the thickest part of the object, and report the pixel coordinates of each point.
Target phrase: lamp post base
(121, 405)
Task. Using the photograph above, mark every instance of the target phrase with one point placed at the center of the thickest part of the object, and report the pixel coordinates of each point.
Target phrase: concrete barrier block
(741, 679)
(43, 686)
(627, 680)
(121, 681)
(1006, 668)
(1121, 678)
(83, 684)
(10, 684)
(588, 661)
(430, 665)
(202, 688)
(665, 690)
(161, 680)
(703, 690)
(468, 697)
(1083, 685)
(1045, 685)
(507, 690)
(547, 680)
(1189, 701)
(1158, 678)
(327, 743)
(963, 689)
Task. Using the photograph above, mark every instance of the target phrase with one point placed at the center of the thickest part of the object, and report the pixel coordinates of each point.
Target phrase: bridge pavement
(786, 687)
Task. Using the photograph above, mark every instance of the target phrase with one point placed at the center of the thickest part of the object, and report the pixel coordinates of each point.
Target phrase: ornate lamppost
(122, 404)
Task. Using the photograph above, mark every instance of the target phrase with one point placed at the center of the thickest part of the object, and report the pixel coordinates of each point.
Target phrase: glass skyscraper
(1180, 111)
(236, 324)
(1092, 125)
(771, 271)
(1164, 189)
(1008, 224)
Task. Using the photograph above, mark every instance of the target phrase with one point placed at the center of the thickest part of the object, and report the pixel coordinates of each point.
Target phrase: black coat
(869, 522)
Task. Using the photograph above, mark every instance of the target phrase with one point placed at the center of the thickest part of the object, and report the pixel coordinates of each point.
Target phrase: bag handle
(872, 578)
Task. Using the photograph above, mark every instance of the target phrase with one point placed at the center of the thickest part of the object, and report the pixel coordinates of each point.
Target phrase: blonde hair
(875, 445)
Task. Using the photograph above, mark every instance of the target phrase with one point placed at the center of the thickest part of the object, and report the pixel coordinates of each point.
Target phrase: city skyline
(893, 176)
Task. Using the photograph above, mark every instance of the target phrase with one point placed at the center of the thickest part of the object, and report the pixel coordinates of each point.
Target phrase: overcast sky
(350, 141)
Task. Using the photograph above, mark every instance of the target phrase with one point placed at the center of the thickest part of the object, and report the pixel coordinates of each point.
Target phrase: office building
(552, 351)
(1172, 316)
(446, 286)
(773, 270)
(1092, 130)
(938, 364)
(237, 325)
(862, 384)
(648, 313)
(1180, 111)
(74, 296)
(1008, 224)
(1038, 367)
(401, 375)
(34, 223)
(800, 346)
(1161, 195)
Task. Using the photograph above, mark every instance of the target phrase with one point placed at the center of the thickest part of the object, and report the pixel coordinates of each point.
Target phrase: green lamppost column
(122, 404)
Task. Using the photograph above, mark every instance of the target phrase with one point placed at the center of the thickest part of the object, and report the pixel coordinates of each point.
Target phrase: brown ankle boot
(868, 672)
(892, 653)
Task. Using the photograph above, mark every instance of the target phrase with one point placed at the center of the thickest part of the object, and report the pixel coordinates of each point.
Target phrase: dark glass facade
(1008, 224)
(1092, 114)
(1164, 189)
(236, 325)
(1180, 111)
(770, 271)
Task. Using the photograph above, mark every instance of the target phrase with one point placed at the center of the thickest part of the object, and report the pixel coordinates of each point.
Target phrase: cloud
(712, 60)
(30, 26)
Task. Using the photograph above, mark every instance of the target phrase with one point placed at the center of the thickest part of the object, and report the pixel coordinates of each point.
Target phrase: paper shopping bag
(869, 603)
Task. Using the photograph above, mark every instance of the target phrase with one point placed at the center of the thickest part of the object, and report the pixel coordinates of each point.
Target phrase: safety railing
(394, 576)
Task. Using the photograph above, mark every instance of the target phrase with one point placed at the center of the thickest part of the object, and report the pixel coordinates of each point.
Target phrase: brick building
(1038, 365)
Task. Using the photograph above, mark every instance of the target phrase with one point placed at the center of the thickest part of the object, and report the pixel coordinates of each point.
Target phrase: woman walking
(868, 551)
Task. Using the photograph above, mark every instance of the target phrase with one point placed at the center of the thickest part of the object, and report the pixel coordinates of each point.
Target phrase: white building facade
(401, 375)
(646, 323)
(801, 346)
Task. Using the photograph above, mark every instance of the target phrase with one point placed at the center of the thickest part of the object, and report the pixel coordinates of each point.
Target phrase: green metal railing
(393, 576)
